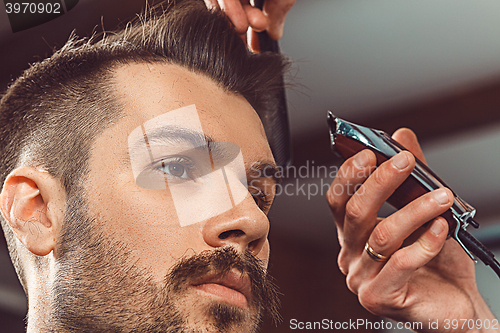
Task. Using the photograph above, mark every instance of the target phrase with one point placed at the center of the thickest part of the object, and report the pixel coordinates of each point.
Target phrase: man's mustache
(221, 261)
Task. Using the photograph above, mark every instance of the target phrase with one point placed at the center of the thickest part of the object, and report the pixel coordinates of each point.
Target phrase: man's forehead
(165, 79)
(148, 90)
(153, 98)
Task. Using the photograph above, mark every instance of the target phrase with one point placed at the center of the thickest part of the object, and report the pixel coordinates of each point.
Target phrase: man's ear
(32, 202)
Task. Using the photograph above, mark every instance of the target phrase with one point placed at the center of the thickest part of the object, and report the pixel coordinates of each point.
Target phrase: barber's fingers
(408, 139)
(388, 235)
(241, 13)
(271, 18)
(276, 10)
(361, 210)
(211, 4)
(390, 288)
(350, 176)
(234, 9)
(257, 20)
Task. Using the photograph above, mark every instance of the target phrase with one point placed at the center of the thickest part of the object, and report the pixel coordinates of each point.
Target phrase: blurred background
(433, 66)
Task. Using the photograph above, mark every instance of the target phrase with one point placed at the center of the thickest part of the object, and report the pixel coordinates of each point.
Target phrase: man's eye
(179, 168)
(175, 169)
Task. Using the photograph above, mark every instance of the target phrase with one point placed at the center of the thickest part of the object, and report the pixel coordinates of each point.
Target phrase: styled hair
(51, 115)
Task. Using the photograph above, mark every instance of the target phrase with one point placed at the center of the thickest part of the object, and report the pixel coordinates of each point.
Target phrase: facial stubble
(99, 287)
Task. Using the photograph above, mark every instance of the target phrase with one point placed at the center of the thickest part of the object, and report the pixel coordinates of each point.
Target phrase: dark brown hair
(50, 116)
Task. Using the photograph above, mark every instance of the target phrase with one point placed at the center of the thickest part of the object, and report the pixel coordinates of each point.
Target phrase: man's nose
(245, 227)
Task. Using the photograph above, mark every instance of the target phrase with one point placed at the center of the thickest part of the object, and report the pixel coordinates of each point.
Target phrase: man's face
(145, 220)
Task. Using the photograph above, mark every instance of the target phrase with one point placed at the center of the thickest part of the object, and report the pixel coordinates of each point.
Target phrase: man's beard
(98, 287)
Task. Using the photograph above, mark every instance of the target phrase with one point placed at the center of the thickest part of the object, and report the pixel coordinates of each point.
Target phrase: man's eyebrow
(166, 135)
(172, 134)
(221, 153)
(266, 169)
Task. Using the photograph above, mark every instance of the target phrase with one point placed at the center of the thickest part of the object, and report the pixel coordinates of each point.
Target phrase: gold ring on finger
(374, 255)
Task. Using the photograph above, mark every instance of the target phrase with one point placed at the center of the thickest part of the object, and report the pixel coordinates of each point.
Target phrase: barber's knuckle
(428, 247)
(345, 256)
(353, 211)
(369, 300)
(381, 236)
(343, 263)
(332, 199)
(352, 283)
(381, 176)
(401, 261)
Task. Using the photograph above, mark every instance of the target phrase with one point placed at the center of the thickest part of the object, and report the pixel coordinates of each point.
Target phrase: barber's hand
(427, 277)
(244, 15)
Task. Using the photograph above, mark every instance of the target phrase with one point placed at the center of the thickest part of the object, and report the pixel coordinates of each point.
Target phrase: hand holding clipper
(347, 139)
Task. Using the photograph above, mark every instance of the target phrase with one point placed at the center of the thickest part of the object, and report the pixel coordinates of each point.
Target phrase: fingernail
(400, 161)
(436, 228)
(361, 160)
(441, 196)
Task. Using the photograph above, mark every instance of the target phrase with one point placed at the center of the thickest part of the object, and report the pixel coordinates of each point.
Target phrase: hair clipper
(347, 139)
